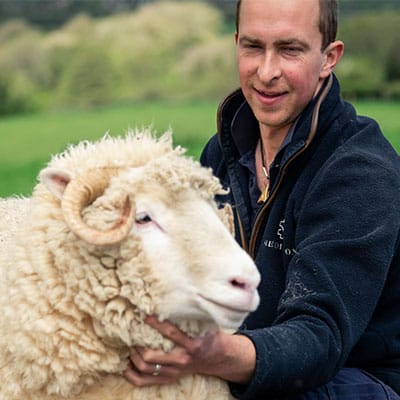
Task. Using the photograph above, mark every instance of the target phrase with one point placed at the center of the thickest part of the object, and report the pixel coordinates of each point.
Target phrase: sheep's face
(200, 271)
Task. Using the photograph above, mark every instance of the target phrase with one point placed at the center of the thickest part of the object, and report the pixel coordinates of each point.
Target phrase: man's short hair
(328, 20)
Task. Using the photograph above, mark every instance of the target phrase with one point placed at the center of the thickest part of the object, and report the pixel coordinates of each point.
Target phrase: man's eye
(252, 46)
(292, 50)
(142, 218)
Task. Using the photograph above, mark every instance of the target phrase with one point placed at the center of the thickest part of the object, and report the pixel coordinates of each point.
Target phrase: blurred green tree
(393, 62)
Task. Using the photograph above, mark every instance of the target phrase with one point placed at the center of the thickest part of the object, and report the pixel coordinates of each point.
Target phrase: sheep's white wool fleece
(13, 212)
(71, 341)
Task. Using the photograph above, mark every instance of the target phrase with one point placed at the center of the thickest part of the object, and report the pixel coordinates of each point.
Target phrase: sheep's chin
(225, 315)
(203, 315)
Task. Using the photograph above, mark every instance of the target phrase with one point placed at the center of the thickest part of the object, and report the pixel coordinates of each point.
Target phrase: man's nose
(269, 68)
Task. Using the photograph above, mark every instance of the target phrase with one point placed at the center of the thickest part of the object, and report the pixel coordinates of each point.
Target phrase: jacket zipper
(260, 216)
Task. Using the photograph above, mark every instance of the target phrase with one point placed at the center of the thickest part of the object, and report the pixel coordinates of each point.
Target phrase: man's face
(280, 63)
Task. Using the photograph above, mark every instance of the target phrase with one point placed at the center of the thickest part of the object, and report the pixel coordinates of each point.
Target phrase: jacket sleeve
(346, 238)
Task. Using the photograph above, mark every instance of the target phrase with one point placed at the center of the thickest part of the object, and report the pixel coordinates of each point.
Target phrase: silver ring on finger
(157, 369)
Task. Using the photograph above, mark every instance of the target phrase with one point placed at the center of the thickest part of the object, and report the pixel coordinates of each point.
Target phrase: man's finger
(140, 379)
(170, 331)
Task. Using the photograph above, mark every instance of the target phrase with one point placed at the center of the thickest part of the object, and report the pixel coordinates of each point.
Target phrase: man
(316, 192)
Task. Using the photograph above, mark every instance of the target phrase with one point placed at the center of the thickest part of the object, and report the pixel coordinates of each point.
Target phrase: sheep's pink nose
(240, 283)
(244, 294)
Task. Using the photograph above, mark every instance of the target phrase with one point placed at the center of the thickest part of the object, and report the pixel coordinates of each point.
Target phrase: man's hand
(230, 357)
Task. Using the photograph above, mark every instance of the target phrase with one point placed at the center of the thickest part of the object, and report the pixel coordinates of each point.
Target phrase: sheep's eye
(143, 218)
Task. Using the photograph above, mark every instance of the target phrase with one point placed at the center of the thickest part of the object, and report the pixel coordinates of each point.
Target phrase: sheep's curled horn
(82, 191)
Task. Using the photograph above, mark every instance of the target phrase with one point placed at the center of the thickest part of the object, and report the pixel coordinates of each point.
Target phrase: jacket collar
(234, 115)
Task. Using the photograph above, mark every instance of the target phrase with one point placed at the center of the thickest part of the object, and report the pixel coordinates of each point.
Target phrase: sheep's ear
(55, 180)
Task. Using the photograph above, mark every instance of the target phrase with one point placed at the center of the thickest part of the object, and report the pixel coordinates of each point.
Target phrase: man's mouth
(269, 94)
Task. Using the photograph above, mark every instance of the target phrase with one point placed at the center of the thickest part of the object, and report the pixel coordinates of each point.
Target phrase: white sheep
(115, 230)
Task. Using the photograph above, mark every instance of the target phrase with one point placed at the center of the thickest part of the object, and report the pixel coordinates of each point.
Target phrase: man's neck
(272, 140)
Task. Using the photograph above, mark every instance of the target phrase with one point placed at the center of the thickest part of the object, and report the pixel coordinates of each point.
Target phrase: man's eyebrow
(279, 42)
(249, 39)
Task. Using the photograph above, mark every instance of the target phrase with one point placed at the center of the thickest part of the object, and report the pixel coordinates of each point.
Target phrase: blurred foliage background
(167, 50)
(57, 54)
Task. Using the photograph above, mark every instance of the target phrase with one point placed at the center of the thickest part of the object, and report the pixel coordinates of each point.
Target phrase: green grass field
(28, 141)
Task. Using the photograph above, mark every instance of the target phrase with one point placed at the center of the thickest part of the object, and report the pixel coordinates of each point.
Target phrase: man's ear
(333, 53)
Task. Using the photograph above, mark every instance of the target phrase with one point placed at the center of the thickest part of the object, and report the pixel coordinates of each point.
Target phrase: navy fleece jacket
(326, 243)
